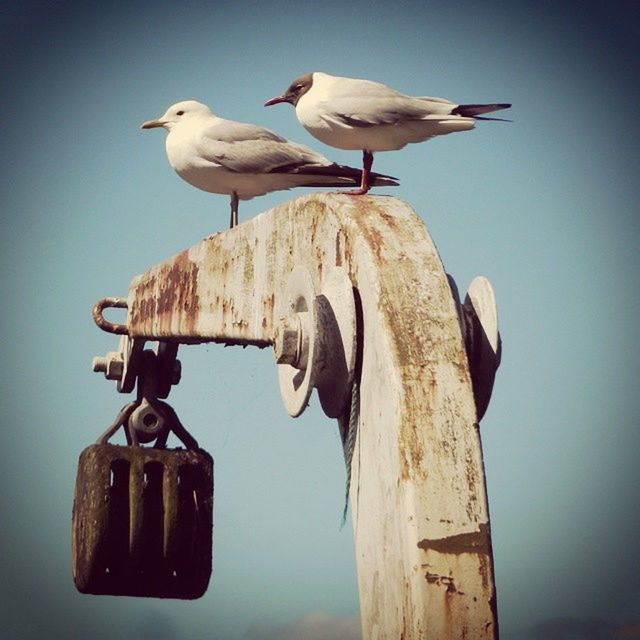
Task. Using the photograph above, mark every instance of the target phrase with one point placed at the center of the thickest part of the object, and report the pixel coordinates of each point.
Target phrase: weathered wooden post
(353, 289)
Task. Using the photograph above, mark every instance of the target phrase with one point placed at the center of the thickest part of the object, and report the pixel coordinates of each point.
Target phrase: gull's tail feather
(380, 180)
(474, 110)
(375, 179)
(343, 175)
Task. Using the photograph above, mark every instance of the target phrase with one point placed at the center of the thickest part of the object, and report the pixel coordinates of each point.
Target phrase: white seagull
(350, 113)
(243, 160)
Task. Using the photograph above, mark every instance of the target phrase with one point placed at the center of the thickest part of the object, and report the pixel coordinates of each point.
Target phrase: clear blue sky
(546, 207)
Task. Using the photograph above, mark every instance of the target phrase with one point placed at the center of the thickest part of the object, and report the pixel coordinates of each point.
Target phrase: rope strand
(349, 443)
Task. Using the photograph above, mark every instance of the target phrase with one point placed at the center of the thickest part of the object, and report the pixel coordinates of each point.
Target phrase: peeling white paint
(418, 499)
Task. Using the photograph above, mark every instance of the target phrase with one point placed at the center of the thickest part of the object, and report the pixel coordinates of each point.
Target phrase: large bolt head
(287, 340)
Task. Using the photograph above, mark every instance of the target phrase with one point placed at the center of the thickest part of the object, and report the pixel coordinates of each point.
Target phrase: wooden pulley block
(142, 521)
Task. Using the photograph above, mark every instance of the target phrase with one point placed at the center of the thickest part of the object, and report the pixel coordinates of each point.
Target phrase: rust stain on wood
(412, 320)
(179, 293)
(164, 294)
(473, 542)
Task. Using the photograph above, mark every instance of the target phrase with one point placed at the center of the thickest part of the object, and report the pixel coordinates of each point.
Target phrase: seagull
(350, 113)
(244, 160)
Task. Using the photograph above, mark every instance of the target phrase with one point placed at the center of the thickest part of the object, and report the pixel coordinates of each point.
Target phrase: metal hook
(105, 325)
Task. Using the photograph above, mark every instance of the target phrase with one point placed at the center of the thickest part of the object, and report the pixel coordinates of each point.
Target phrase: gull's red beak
(276, 100)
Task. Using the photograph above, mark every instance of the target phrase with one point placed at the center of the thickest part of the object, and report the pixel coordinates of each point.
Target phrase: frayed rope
(350, 442)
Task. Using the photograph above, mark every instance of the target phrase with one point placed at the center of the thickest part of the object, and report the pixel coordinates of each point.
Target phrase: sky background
(545, 207)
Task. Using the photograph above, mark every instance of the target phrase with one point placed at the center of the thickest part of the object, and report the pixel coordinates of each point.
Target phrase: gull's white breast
(192, 167)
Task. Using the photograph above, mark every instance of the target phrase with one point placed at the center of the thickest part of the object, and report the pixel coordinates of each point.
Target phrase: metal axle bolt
(112, 365)
(291, 341)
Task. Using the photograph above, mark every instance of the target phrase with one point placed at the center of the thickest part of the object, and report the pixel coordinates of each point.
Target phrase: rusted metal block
(142, 522)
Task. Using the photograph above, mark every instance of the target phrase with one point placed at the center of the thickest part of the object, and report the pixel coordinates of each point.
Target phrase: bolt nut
(111, 365)
(286, 339)
(290, 341)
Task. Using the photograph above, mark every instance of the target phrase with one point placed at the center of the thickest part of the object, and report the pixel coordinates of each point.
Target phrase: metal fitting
(112, 365)
(314, 343)
(291, 341)
(147, 422)
(99, 319)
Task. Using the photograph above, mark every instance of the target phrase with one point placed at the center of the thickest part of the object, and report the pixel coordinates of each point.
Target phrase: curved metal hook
(105, 325)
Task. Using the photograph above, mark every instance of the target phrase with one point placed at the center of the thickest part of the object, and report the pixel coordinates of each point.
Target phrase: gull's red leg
(367, 161)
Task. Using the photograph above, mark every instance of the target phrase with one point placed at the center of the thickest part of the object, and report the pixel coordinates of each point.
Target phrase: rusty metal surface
(102, 322)
(419, 506)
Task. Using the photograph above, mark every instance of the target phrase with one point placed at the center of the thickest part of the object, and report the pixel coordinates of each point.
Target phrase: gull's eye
(180, 113)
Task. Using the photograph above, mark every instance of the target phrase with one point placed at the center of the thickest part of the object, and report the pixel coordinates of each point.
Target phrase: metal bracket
(124, 365)
(315, 342)
(147, 418)
(155, 371)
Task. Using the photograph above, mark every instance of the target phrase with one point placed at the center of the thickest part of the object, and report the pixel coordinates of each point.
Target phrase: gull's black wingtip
(475, 110)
